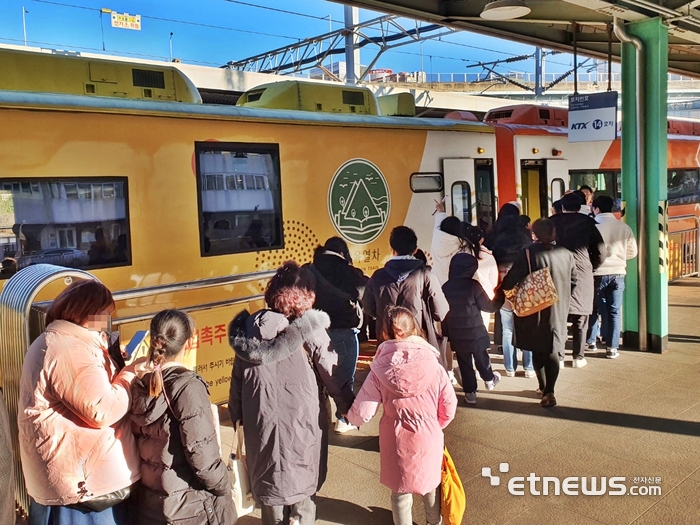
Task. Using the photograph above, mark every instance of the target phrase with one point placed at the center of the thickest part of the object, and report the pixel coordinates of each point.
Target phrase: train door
(470, 186)
(542, 182)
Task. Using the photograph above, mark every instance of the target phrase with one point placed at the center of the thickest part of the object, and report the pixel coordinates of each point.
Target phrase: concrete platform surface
(636, 417)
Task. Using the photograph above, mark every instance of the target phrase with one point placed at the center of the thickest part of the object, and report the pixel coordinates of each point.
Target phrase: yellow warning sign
(126, 21)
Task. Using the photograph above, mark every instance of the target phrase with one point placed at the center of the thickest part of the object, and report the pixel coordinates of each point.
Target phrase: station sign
(126, 21)
(593, 117)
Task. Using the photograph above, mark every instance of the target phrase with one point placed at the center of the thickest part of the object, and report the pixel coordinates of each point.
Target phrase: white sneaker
(612, 353)
(452, 377)
(490, 385)
(561, 364)
(470, 398)
(579, 362)
(343, 426)
(530, 373)
(510, 374)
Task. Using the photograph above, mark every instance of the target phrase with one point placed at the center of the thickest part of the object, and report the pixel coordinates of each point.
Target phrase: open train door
(470, 185)
(557, 175)
(543, 181)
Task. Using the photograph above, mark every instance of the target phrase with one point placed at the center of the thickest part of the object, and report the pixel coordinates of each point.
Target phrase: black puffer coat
(404, 282)
(467, 299)
(338, 290)
(183, 479)
(275, 393)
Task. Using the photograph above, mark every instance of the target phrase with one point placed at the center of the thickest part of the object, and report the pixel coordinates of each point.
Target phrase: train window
(79, 223)
(462, 201)
(683, 186)
(485, 194)
(603, 182)
(239, 197)
(558, 188)
(426, 182)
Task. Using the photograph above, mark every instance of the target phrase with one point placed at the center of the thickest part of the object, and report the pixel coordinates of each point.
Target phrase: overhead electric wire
(210, 26)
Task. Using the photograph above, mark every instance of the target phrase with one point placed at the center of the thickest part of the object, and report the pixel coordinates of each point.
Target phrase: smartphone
(138, 345)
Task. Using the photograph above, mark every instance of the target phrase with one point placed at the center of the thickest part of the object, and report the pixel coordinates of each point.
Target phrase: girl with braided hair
(183, 478)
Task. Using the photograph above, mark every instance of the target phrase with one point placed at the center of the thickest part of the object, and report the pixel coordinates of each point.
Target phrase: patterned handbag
(534, 293)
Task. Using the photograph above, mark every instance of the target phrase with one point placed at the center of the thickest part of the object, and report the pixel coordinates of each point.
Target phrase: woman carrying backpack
(418, 403)
(183, 479)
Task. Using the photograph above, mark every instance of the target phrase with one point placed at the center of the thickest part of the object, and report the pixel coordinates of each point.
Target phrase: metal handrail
(199, 284)
(696, 219)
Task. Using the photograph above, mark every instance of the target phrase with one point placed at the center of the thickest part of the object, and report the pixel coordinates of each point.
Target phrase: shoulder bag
(453, 502)
(533, 293)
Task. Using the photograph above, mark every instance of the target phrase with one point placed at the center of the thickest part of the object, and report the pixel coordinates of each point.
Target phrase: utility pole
(24, 25)
(352, 53)
(538, 71)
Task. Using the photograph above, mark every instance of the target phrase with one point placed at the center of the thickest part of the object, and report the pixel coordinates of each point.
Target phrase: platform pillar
(654, 36)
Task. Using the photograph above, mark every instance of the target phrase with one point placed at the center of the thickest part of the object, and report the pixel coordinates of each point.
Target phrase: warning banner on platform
(593, 117)
(126, 21)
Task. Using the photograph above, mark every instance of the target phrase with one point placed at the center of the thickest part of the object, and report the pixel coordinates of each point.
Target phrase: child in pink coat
(419, 402)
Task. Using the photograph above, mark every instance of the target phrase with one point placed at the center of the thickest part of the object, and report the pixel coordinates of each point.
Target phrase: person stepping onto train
(465, 327)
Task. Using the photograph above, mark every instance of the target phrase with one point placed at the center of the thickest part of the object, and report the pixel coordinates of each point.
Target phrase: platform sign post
(593, 117)
(654, 36)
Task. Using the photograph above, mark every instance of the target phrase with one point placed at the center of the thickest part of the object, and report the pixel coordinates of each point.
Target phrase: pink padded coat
(75, 440)
(419, 402)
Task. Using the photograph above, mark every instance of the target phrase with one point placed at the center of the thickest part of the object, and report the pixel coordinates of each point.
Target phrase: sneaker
(579, 362)
(490, 385)
(470, 398)
(343, 426)
(548, 400)
(591, 347)
(561, 363)
(530, 373)
(612, 353)
(452, 377)
(510, 373)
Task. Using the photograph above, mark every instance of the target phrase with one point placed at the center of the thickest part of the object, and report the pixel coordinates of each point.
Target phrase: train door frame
(551, 176)
(463, 171)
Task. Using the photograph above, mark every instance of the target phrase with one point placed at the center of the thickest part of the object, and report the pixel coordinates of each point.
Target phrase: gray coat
(545, 331)
(579, 234)
(276, 395)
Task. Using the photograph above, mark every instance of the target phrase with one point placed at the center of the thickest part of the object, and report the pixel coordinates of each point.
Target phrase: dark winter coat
(545, 331)
(183, 479)
(467, 299)
(275, 393)
(403, 282)
(338, 290)
(578, 233)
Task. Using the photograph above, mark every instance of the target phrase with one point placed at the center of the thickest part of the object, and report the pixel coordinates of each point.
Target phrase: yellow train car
(191, 206)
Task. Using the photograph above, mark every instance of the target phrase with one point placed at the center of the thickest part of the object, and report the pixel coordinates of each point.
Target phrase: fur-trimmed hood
(267, 337)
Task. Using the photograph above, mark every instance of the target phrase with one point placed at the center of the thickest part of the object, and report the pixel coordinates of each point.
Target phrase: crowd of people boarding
(106, 443)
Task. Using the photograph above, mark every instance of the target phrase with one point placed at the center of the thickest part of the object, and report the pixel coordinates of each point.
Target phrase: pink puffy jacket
(418, 402)
(75, 440)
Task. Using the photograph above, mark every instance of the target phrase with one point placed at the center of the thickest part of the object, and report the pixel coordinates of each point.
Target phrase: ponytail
(170, 331)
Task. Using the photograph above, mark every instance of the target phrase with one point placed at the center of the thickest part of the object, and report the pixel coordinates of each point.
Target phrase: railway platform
(636, 417)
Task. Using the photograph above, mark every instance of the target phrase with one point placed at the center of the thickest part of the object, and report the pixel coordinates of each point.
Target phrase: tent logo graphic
(358, 201)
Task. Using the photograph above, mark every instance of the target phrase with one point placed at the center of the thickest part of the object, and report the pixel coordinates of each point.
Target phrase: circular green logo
(358, 201)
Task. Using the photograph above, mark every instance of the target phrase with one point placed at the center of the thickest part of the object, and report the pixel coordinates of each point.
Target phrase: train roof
(80, 103)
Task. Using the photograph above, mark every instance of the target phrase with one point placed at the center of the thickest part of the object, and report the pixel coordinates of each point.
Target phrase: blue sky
(213, 32)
